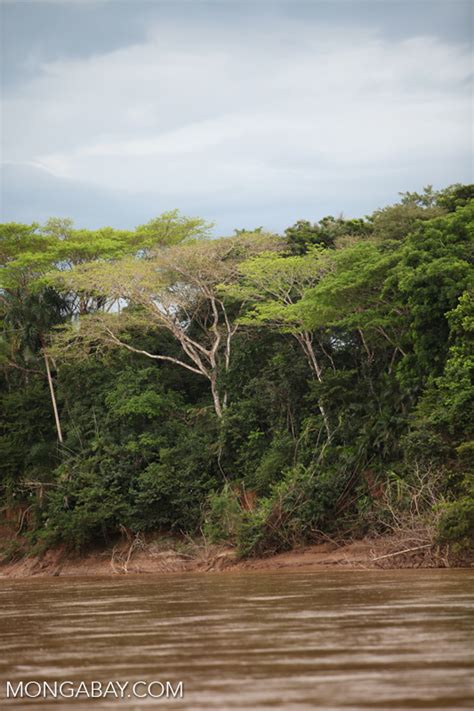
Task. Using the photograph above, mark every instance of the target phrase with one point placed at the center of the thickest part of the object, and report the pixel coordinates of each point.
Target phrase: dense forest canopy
(262, 389)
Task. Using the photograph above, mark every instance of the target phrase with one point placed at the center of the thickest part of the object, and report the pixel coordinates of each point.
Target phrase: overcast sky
(245, 113)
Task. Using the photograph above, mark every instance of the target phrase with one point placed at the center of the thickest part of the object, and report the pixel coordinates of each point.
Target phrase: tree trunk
(53, 398)
(215, 396)
(306, 343)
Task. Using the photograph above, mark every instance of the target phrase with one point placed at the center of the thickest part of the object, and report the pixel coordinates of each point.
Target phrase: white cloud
(272, 114)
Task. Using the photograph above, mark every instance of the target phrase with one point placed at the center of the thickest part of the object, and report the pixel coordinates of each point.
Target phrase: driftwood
(136, 542)
(406, 550)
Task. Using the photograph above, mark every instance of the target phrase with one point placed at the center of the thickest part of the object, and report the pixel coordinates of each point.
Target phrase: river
(348, 640)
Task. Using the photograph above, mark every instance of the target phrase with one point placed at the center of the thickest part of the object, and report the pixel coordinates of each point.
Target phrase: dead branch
(406, 550)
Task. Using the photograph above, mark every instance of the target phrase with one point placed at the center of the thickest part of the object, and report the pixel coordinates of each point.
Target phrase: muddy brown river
(346, 640)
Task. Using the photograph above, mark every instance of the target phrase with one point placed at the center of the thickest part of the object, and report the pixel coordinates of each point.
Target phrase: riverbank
(165, 555)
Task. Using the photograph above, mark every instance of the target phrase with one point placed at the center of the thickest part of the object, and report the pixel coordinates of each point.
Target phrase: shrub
(224, 516)
(456, 523)
(297, 510)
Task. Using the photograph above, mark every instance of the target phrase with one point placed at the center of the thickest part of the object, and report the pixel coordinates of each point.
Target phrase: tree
(396, 222)
(27, 314)
(400, 292)
(175, 288)
(29, 253)
(455, 196)
(196, 362)
(271, 285)
(326, 233)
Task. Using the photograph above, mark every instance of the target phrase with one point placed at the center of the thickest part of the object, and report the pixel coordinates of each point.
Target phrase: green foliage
(456, 525)
(170, 228)
(326, 233)
(324, 381)
(301, 507)
(455, 196)
(396, 222)
(134, 458)
(28, 451)
(272, 283)
(89, 502)
(275, 459)
(223, 516)
(171, 492)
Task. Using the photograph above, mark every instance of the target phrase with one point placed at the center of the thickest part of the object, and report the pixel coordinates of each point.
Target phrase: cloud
(53, 2)
(32, 194)
(227, 116)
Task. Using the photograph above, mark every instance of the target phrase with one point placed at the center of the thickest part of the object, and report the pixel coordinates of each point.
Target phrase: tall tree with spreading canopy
(176, 288)
(271, 285)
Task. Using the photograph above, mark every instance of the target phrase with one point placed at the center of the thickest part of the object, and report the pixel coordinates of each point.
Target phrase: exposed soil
(140, 557)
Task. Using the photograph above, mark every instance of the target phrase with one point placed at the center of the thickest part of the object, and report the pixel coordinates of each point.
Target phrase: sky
(246, 113)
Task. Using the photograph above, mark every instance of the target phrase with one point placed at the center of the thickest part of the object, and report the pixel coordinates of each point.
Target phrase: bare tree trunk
(53, 398)
(215, 396)
(305, 341)
(209, 372)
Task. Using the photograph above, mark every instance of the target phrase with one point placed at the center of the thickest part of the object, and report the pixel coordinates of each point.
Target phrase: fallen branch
(406, 550)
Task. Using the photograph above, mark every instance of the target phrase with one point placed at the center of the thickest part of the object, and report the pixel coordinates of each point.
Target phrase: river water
(346, 640)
